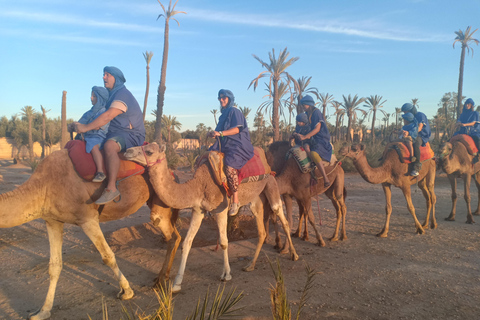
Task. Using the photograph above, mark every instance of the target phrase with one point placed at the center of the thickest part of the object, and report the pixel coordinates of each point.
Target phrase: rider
(469, 123)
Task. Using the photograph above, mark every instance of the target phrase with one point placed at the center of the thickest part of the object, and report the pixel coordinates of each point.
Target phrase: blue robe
(467, 116)
(321, 140)
(425, 133)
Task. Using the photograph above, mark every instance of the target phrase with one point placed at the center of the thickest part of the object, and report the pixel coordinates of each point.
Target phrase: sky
(397, 49)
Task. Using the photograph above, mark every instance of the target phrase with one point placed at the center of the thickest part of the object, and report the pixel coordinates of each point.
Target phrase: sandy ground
(404, 276)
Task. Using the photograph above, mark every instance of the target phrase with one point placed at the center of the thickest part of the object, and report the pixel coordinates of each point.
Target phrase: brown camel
(456, 161)
(56, 194)
(202, 194)
(293, 183)
(393, 172)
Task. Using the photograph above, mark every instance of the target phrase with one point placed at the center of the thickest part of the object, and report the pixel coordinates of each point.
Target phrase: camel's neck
(371, 175)
(21, 205)
(173, 194)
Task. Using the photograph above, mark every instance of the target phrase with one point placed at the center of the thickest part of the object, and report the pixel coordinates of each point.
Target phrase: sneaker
(233, 209)
(414, 173)
(99, 177)
(107, 196)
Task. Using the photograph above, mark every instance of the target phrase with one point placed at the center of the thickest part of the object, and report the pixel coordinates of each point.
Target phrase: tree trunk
(44, 129)
(64, 135)
(373, 125)
(460, 82)
(275, 112)
(30, 138)
(146, 93)
(162, 87)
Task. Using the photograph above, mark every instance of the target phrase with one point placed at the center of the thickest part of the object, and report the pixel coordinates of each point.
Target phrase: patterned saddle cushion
(467, 142)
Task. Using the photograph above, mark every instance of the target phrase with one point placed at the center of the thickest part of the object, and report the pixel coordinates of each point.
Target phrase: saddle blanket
(304, 163)
(85, 167)
(426, 152)
(467, 142)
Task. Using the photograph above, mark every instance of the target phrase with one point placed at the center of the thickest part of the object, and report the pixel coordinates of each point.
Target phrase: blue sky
(397, 49)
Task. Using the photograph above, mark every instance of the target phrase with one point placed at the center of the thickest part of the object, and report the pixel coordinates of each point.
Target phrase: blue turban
(407, 107)
(302, 117)
(119, 81)
(470, 100)
(408, 116)
(308, 101)
(229, 94)
(102, 96)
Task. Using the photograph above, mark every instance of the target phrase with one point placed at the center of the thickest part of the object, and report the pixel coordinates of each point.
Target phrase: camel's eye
(148, 153)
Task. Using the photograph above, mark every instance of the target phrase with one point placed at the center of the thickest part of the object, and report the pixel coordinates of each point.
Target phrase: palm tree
(64, 135)
(214, 112)
(301, 88)
(148, 57)
(464, 38)
(170, 123)
(339, 113)
(28, 113)
(325, 99)
(282, 90)
(374, 103)
(415, 102)
(397, 112)
(276, 71)
(44, 129)
(351, 106)
(168, 14)
(245, 111)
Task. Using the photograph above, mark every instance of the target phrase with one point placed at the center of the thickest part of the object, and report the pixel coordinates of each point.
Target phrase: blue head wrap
(229, 94)
(308, 101)
(469, 100)
(119, 79)
(465, 116)
(407, 107)
(102, 96)
(408, 116)
(302, 117)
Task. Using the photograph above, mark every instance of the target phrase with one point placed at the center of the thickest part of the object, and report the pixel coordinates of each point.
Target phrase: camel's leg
(289, 207)
(477, 183)
(257, 209)
(273, 196)
(222, 220)
(93, 231)
(338, 210)
(407, 192)
(467, 181)
(453, 185)
(433, 198)
(173, 238)
(55, 237)
(428, 198)
(307, 207)
(387, 189)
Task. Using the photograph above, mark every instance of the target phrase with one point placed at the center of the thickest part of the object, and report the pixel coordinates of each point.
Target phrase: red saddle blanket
(425, 152)
(85, 167)
(254, 167)
(467, 142)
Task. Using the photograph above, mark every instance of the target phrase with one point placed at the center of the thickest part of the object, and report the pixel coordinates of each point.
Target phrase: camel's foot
(125, 294)
(305, 237)
(39, 315)
(382, 234)
(321, 243)
(477, 213)
(433, 225)
(420, 230)
(425, 225)
(333, 238)
(470, 221)
(450, 218)
(226, 277)
(294, 256)
(279, 245)
(296, 234)
(285, 249)
(176, 288)
(249, 267)
(160, 281)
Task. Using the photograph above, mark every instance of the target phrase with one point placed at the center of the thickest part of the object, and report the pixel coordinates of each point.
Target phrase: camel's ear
(362, 147)
(162, 147)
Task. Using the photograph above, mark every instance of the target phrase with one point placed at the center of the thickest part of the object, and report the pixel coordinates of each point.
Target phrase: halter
(149, 164)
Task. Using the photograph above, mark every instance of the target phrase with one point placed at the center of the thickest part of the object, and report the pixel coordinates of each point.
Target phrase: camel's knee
(467, 198)
(110, 261)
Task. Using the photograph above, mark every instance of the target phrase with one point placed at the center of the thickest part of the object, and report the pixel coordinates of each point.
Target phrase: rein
(149, 164)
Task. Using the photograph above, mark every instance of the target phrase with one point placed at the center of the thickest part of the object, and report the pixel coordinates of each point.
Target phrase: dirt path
(405, 276)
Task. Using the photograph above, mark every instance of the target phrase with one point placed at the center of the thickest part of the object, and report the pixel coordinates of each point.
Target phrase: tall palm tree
(170, 123)
(245, 111)
(373, 104)
(44, 129)
(283, 89)
(275, 71)
(415, 102)
(168, 14)
(214, 112)
(301, 88)
(148, 57)
(64, 134)
(351, 106)
(339, 114)
(325, 99)
(465, 38)
(28, 113)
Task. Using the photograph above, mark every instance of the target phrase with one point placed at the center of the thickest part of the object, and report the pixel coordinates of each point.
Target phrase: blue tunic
(238, 148)
(322, 144)
(412, 129)
(467, 116)
(303, 130)
(93, 137)
(425, 133)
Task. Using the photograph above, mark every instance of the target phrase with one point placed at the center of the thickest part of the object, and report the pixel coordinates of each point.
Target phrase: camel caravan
(61, 191)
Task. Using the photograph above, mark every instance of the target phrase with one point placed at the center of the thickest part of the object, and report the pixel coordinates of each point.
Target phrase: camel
(56, 194)
(393, 172)
(456, 161)
(202, 194)
(293, 183)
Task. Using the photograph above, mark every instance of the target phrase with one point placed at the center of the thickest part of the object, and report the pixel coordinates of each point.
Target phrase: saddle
(304, 163)
(255, 169)
(467, 141)
(426, 152)
(85, 167)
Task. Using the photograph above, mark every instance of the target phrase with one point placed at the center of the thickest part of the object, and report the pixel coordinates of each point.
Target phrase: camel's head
(354, 151)
(146, 155)
(445, 151)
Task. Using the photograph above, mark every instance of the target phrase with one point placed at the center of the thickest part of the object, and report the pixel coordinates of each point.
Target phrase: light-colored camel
(456, 161)
(202, 194)
(56, 194)
(393, 172)
(293, 183)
